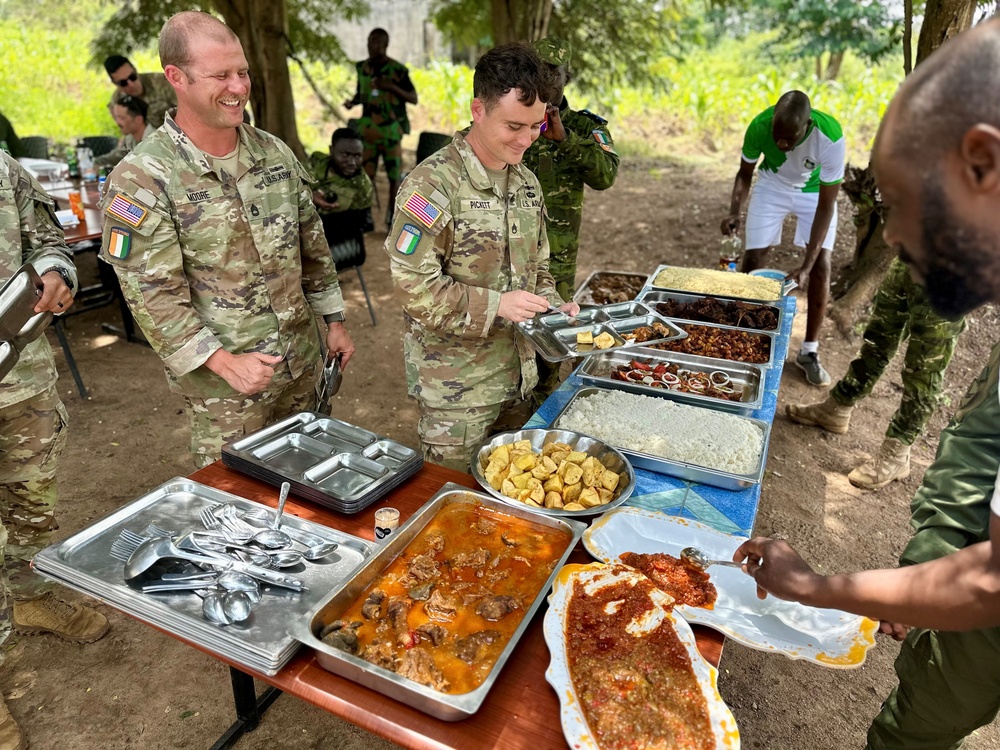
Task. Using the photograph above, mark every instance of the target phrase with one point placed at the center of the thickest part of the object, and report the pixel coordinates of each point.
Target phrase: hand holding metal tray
(329, 383)
(19, 323)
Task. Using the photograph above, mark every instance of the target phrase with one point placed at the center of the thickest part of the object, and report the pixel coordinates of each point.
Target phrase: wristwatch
(62, 272)
(337, 317)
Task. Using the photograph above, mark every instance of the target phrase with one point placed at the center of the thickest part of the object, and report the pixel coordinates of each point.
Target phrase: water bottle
(72, 163)
(729, 253)
(100, 185)
(4, 147)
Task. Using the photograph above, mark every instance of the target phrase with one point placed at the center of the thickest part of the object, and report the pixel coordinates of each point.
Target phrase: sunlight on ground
(99, 342)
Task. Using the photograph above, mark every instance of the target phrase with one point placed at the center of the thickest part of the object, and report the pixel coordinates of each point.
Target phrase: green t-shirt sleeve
(756, 136)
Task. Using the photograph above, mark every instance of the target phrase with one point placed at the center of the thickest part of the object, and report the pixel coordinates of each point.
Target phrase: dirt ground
(139, 689)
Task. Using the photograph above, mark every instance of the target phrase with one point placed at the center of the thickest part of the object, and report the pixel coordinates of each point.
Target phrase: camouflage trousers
(378, 142)
(449, 436)
(32, 436)
(901, 310)
(217, 421)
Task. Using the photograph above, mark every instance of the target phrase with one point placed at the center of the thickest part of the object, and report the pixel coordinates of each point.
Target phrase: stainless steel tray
(83, 562)
(608, 455)
(651, 297)
(8, 358)
(554, 335)
(326, 460)
(441, 705)
(596, 371)
(772, 336)
(786, 287)
(585, 294)
(680, 469)
(18, 297)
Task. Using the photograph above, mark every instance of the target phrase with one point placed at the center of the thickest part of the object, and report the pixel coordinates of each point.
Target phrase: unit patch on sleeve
(128, 211)
(408, 239)
(601, 137)
(119, 243)
(422, 210)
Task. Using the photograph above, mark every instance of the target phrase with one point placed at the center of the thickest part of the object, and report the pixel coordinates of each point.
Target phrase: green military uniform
(352, 193)
(125, 146)
(458, 241)
(32, 418)
(383, 121)
(210, 260)
(949, 683)
(158, 94)
(901, 310)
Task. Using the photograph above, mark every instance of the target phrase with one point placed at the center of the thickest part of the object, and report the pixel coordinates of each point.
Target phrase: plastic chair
(36, 146)
(100, 144)
(429, 143)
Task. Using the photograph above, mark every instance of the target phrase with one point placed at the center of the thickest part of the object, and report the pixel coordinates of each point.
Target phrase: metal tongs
(329, 383)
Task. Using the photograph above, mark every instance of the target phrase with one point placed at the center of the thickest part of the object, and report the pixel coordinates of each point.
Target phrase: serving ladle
(273, 538)
(697, 558)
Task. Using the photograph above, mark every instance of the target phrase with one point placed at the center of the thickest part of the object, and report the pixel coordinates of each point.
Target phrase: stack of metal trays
(83, 562)
(596, 287)
(554, 336)
(330, 462)
(748, 378)
(19, 323)
(786, 286)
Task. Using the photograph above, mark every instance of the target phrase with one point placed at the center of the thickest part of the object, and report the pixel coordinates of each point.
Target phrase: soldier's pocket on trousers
(446, 433)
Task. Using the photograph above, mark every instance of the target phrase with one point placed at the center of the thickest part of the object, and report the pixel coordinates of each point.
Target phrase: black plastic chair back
(100, 144)
(36, 146)
(429, 143)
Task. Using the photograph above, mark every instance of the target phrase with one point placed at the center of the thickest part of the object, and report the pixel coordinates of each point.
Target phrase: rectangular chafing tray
(326, 460)
(441, 705)
(651, 297)
(772, 336)
(786, 287)
(596, 371)
(722, 479)
(585, 294)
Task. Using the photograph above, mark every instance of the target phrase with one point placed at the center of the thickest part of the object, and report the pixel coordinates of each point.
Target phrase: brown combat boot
(11, 737)
(827, 414)
(49, 614)
(892, 462)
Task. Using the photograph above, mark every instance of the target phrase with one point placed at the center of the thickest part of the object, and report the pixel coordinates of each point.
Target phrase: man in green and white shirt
(803, 167)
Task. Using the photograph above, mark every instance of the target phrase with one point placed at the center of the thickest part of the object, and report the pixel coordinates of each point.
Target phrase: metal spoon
(236, 605)
(255, 556)
(213, 608)
(273, 538)
(285, 558)
(319, 551)
(696, 558)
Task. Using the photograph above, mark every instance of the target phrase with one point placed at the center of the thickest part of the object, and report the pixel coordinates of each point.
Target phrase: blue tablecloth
(727, 511)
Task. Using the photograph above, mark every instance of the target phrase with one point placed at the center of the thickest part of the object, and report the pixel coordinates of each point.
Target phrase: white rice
(659, 427)
(709, 281)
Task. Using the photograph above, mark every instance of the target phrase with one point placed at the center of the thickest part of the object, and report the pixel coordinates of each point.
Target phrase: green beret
(553, 50)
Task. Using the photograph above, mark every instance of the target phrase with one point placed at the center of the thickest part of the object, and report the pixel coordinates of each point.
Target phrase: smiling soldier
(220, 252)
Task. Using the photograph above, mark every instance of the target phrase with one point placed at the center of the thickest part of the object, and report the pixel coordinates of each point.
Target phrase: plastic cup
(76, 203)
(386, 521)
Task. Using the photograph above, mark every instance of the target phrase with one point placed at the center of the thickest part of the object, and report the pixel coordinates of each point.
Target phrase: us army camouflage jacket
(455, 245)
(352, 192)
(585, 157)
(158, 94)
(29, 233)
(208, 261)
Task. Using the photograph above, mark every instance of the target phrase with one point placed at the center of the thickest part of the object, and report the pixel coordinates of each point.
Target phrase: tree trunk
(907, 36)
(261, 26)
(943, 19)
(833, 66)
(520, 20)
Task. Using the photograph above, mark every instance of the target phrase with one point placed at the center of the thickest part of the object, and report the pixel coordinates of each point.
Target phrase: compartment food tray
(326, 460)
(449, 707)
(691, 472)
(262, 642)
(585, 294)
(786, 287)
(651, 297)
(596, 371)
(554, 335)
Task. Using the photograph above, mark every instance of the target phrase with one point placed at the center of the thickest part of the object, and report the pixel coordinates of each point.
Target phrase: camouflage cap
(553, 50)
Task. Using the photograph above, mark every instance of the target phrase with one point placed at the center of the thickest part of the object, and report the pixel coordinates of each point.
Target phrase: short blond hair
(181, 27)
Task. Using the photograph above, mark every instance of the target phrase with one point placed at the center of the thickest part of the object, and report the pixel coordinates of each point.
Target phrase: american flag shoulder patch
(422, 210)
(127, 210)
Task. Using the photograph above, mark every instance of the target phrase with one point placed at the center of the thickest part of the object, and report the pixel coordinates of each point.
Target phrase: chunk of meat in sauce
(422, 568)
(342, 635)
(495, 608)
(441, 608)
(381, 654)
(435, 543)
(485, 526)
(468, 649)
(399, 608)
(374, 606)
(419, 666)
(421, 592)
(507, 540)
(434, 633)
(476, 559)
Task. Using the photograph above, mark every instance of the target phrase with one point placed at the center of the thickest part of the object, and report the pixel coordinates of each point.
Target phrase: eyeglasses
(125, 81)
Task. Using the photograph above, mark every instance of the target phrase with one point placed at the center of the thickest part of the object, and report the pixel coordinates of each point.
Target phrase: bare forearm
(741, 189)
(820, 227)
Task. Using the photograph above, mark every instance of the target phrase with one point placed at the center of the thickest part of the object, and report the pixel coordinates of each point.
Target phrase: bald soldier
(470, 258)
(937, 165)
(211, 229)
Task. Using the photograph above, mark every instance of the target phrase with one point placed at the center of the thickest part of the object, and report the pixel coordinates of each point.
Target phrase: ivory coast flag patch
(603, 139)
(408, 239)
(120, 242)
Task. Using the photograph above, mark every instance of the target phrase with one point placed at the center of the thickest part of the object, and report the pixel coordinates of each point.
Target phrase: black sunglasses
(125, 81)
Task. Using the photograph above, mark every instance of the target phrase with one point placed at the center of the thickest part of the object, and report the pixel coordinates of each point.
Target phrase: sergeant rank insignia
(119, 243)
(422, 210)
(408, 239)
(128, 211)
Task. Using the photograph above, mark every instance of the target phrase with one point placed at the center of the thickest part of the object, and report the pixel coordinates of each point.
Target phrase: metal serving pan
(326, 460)
(608, 455)
(651, 297)
(441, 705)
(680, 469)
(554, 335)
(786, 287)
(596, 371)
(770, 335)
(585, 294)
(18, 298)
(8, 358)
(83, 562)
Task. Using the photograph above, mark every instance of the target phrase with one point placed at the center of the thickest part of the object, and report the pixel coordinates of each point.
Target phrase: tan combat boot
(892, 462)
(827, 414)
(10, 733)
(48, 614)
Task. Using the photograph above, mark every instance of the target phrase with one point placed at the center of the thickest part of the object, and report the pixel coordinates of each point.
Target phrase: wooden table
(88, 229)
(521, 711)
(60, 192)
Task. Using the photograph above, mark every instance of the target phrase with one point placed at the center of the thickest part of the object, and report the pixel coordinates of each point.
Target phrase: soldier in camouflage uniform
(469, 258)
(32, 429)
(220, 253)
(384, 88)
(152, 88)
(901, 310)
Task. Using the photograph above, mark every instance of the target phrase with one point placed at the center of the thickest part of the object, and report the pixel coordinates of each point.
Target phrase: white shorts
(770, 206)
